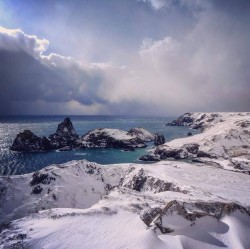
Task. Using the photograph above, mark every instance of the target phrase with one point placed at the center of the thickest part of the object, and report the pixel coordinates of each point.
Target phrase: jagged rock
(137, 181)
(166, 152)
(159, 139)
(194, 120)
(27, 141)
(190, 150)
(110, 138)
(37, 190)
(64, 136)
(183, 120)
(158, 218)
(39, 177)
(149, 158)
(149, 214)
(141, 133)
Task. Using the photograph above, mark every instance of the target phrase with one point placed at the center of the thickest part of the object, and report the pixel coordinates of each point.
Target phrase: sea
(16, 163)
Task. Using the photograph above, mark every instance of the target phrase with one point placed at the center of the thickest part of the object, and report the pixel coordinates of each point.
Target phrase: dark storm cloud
(27, 76)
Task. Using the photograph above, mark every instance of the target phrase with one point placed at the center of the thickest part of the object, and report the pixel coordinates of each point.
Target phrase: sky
(124, 57)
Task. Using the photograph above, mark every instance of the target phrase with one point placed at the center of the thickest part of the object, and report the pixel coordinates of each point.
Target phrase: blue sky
(141, 57)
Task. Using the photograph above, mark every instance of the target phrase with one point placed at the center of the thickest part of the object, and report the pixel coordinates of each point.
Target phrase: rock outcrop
(27, 141)
(223, 142)
(150, 158)
(141, 133)
(159, 139)
(64, 136)
(195, 120)
(167, 219)
(110, 138)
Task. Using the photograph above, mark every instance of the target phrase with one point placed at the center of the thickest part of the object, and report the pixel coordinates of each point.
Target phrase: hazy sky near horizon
(124, 57)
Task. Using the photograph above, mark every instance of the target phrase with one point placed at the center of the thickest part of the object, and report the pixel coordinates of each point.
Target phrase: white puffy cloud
(16, 39)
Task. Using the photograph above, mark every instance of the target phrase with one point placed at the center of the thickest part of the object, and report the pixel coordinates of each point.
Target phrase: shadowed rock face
(27, 141)
(184, 120)
(199, 122)
(150, 158)
(157, 218)
(64, 136)
(159, 139)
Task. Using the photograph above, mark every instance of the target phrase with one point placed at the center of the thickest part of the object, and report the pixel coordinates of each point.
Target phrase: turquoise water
(15, 163)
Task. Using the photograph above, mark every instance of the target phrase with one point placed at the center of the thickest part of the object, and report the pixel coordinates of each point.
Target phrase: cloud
(17, 40)
(203, 69)
(157, 4)
(27, 75)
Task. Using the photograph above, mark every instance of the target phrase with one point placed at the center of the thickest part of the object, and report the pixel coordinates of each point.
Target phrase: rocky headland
(224, 141)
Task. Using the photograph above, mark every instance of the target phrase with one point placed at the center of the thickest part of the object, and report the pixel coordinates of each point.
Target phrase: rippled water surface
(20, 163)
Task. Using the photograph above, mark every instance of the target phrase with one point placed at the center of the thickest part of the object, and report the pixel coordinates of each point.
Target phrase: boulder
(159, 139)
(27, 141)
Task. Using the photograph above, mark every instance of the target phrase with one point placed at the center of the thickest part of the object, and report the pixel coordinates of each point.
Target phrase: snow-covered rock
(225, 137)
(110, 138)
(142, 133)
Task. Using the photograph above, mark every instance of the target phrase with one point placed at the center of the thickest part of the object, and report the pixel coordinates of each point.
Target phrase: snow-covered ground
(95, 205)
(224, 142)
(168, 204)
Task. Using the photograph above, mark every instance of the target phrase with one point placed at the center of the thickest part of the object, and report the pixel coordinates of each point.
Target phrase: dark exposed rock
(159, 139)
(137, 181)
(27, 141)
(183, 120)
(166, 152)
(64, 136)
(38, 178)
(195, 122)
(64, 139)
(189, 133)
(153, 158)
(189, 211)
(186, 151)
(37, 190)
(201, 153)
(149, 214)
(192, 148)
